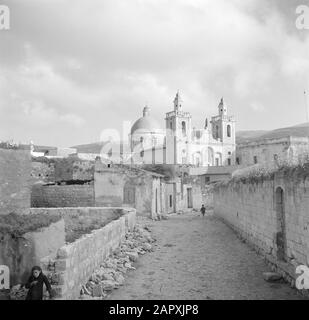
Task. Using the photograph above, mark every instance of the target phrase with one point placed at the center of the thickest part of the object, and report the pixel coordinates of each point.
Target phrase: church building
(179, 143)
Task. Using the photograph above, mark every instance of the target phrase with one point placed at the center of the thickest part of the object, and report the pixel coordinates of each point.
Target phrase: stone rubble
(271, 276)
(18, 292)
(110, 275)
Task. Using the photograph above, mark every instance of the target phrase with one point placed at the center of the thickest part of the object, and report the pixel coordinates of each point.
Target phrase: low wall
(15, 183)
(75, 262)
(22, 253)
(271, 214)
(59, 196)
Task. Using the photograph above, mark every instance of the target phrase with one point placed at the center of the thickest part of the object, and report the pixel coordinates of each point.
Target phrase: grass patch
(259, 172)
(83, 222)
(17, 225)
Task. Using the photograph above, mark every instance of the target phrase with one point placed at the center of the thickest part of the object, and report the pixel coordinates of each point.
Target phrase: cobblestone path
(199, 258)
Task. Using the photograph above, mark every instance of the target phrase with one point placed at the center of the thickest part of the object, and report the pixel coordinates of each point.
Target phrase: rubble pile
(18, 292)
(111, 273)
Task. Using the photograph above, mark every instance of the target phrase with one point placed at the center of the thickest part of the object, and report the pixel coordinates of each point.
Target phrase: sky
(71, 69)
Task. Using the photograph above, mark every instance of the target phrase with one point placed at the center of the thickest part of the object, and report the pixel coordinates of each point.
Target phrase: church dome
(146, 123)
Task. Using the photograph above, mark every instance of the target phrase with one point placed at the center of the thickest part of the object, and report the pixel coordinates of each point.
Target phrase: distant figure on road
(35, 284)
(203, 210)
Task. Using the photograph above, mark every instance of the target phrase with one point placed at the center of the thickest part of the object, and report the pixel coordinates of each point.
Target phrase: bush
(17, 225)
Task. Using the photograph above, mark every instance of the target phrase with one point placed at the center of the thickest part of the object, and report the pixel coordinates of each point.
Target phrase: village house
(281, 145)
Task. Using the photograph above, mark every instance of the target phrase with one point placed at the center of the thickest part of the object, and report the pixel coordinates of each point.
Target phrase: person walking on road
(203, 210)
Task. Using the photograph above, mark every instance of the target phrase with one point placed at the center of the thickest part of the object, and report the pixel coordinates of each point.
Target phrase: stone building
(179, 143)
(264, 151)
(119, 185)
(214, 145)
(176, 142)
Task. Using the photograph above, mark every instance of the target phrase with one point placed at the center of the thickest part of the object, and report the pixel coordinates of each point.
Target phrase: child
(35, 284)
(203, 210)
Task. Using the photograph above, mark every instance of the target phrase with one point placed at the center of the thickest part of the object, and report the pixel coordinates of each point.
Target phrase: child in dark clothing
(35, 284)
(203, 210)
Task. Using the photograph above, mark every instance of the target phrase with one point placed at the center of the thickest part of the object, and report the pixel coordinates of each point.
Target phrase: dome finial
(146, 111)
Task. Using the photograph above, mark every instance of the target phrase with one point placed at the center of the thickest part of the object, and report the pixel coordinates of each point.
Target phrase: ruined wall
(75, 262)
(42, 171)
(15, 183)
(251, 208)
(20, 254)
(73, 195)
(73, 168)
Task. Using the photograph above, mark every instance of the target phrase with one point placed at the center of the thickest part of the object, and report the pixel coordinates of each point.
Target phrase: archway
(129, 193)
(197, 159)
(218, 159)
(281, 231)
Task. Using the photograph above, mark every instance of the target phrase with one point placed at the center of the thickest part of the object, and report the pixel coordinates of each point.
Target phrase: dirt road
(199, 258)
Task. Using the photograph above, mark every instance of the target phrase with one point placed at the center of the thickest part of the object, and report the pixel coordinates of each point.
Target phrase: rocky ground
(199, 258)
(186, 257)
(111, 274)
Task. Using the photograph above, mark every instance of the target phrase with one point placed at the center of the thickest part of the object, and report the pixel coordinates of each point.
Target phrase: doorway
(129, 193)
(281, 227)
(189, 195)
(156, 200)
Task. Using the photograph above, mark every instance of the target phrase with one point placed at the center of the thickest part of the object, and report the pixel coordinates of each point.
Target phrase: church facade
(179, 143)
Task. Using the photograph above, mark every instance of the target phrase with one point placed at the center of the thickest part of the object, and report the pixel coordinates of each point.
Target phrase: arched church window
(142, 153)
(228, 130)
(217, 132)
(183, 125)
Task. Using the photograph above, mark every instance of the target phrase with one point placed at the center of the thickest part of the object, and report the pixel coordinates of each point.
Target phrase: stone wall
(42, 171)
(285, 149)
(278, 231)
(20, 254)
(73, 195)
(15, 183)
(75, 262)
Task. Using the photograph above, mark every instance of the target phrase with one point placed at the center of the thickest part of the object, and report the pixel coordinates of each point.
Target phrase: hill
(300, 130)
